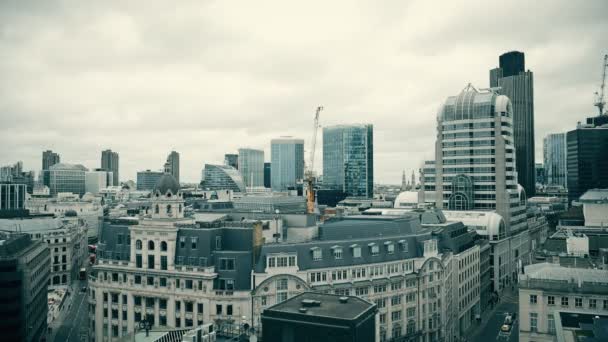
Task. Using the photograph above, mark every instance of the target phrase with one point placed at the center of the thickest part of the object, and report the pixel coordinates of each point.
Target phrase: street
(495, 318)
(73, 322)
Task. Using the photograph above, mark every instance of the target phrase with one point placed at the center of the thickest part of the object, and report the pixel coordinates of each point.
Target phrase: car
(83, 289)
(505, 328)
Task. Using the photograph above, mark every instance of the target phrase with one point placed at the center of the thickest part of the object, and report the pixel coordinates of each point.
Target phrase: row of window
(374, 250)
(565, 301)
(362, 272)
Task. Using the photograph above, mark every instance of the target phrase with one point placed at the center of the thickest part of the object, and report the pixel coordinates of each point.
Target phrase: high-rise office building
(251, 166)
(348, 159)
(49, 158)
(518, 85)
(97, 180)
(587, 164)
(554, 155)
(64, 177)
(147, 179)
(539, 174)
(475, 157)
(222, 177)
(12, 196)
(25, 268)
(231, 159)
(287, 162)
(267, 175)
(172, 165)
(109, 162)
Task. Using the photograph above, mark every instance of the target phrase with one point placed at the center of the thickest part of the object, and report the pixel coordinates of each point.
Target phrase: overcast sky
(207, 77)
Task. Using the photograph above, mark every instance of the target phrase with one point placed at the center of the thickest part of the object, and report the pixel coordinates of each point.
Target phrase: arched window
(64, 279)
(156, 209)
(169, 209)
(150, 245)
(163, 246)
(138, 244)
(180, 208)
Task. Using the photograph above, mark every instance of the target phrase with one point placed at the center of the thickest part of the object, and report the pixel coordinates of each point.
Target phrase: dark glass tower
(49, 158)
(587, 161)
(518, 85)
(109, 162)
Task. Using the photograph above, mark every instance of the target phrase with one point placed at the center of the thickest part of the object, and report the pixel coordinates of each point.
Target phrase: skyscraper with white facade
(554, 155)
(475, 156)
(251, 166)
(348, 159)
(287, 162)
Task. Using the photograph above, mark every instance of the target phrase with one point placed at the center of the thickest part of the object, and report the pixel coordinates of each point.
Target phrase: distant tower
(403, 182)
(49, 158)
(109, 162)
(172, 165)
(413, 184)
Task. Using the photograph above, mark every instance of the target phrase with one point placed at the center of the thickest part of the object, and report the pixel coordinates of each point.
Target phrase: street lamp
(276, 235)
(145, 324)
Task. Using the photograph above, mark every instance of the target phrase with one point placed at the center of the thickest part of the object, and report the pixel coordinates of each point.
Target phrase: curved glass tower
(222, 177)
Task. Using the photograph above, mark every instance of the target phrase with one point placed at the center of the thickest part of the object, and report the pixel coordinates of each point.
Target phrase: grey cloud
(205, 78)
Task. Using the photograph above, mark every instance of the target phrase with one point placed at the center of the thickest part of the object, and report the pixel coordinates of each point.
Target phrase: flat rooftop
(549, 271)
(328, 305)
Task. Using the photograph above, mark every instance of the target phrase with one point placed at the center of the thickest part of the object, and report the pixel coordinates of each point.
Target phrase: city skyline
(388, 67)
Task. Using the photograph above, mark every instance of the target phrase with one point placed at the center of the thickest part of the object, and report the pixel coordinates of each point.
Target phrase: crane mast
(600, 102)
(310, 177)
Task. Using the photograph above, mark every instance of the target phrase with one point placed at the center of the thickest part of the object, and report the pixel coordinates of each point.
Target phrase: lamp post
(145, 324)
(276, 235)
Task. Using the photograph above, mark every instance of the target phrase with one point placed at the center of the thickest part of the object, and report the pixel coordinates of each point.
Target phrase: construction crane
(600, 102)
(310, 175)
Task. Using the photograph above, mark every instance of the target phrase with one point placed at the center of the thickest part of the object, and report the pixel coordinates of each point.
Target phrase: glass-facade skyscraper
(587, 161)
(251, 166)
(286, 162)
(146, 180)
(348, 159)
(518, 85)
(109, 162)
(554, 155)
(222, 177)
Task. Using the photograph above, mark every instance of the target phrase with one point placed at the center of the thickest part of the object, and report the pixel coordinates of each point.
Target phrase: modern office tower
(179, 272)
(12, 196)
(97, 180)
(251, 166)
(147, 179)
(550, 292)
(64, 177)
(267, 175)
(172, 165)
(554, 155)
(109, 162)
(539, 174)
(231, 160)
(312, 316)
(475, 157)
(287, 162)
(49, 158)
(348, 159)
(518, 85)
(587, 164)
(25, 268)
(222, 177)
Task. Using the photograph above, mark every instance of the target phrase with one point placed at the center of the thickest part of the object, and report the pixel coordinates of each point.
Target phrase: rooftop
(595, 196)
(581, 327)
(549, 271)
(324, 305)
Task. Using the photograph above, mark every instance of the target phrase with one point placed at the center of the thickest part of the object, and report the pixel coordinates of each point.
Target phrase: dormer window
(403, 245)
(356, 250)
(337, 252)
(374, 249)
(390, 247)
(317, 253)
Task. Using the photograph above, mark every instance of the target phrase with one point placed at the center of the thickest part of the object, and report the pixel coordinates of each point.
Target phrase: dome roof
(70, 213)
(165, 183)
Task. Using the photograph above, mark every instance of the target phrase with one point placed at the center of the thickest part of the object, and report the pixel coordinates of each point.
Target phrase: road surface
(74, 321)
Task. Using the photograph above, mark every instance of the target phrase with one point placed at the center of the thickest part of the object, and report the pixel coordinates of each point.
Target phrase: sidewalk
(473, 332)
(58, 322)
